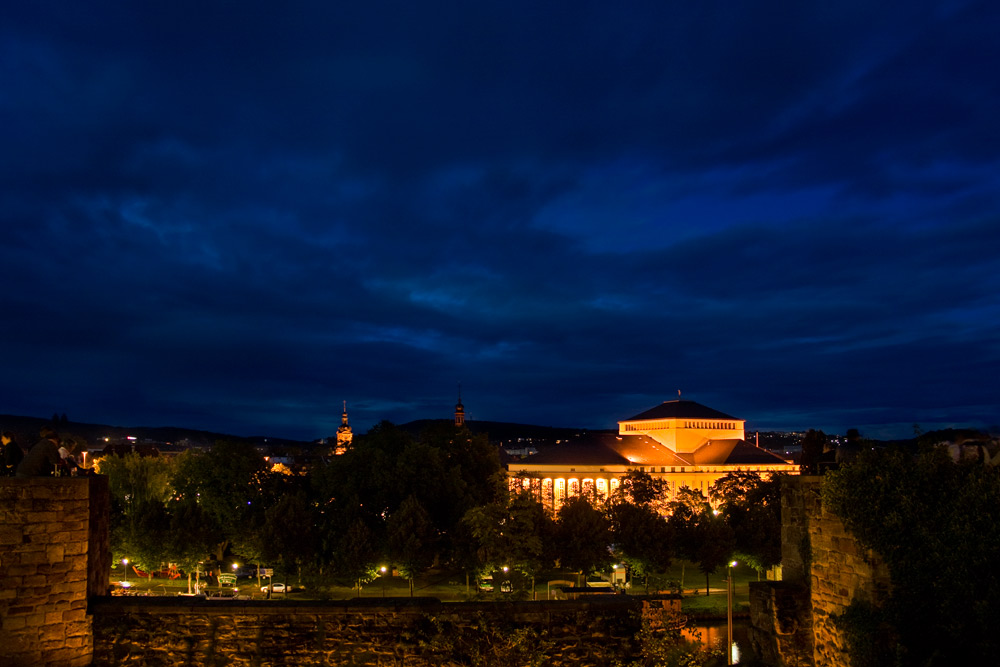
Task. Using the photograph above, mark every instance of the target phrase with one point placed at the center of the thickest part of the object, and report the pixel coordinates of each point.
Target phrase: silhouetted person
(11, 456)
(43, 457)
(67, 456)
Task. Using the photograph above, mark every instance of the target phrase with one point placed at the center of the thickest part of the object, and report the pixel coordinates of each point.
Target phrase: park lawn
(451, 586)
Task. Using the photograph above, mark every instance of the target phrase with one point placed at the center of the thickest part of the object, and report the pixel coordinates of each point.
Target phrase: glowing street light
(383, 570)
(125, 563)
(729, 613)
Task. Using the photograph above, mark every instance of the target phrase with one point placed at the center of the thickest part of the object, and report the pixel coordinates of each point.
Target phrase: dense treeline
(934, 521)
(440, 499)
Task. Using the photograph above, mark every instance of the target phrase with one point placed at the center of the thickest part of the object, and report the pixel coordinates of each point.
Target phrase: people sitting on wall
(11, 454)
(67, 454)
(43, 458)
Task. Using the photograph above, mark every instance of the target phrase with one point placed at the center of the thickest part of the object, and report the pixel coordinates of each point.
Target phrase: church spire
(344, 433)
(459, 409)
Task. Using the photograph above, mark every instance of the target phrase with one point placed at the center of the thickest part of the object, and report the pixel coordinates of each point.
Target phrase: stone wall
(824, 568)
(841, 570)
(53, 556)
(414, 633)
(54, 566)
(781, 631)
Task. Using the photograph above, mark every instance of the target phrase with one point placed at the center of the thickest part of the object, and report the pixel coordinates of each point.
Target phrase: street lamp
(125, 563)
(382, 570)
(729, 613)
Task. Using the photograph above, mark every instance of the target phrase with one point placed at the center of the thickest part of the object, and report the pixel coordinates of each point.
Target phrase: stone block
(54, 569)
(75, 548)
(57, 537)
(31, 557)
(35, 620)
(30, 491)
(21, 610)
(13, 622)
(76, 624)
(49, 645)
(34, 580)
(36, 528)
(46, 505)
(28, 597)
(61, 600)
(77, 535)
(74, 525)
(11, 535)
(78, 587)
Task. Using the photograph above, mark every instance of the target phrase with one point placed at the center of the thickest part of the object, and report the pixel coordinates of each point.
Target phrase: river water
(713, 635)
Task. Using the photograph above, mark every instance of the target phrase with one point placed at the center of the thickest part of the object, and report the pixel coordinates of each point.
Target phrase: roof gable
(584, 451)
(734, 452)
(680, 410)
(605, 449)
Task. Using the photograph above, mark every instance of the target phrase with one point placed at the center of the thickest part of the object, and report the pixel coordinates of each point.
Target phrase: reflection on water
(713, 635)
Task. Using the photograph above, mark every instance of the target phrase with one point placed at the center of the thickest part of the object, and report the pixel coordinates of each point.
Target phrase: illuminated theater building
(680, 442)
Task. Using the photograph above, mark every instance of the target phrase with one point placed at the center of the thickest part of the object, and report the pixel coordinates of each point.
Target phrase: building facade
(682, 443)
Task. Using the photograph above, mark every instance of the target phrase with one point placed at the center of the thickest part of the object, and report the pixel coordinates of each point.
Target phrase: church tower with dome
(344, 433)
(459, 410)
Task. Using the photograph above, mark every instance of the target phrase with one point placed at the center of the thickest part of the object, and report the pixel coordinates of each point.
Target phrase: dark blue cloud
(234, 217)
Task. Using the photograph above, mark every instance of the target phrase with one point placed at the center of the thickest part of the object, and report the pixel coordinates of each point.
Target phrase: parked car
(275, 588)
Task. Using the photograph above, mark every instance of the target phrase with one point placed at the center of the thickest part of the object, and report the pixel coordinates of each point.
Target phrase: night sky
(236, 215)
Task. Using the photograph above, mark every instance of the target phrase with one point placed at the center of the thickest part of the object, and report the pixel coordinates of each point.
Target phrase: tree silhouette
(583, 536)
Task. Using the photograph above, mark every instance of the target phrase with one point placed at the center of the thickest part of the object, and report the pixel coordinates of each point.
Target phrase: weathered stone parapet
(781, 629)
(45, 569)
(800, 502)
(417, 633)
(842, 570)
(825, 570)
